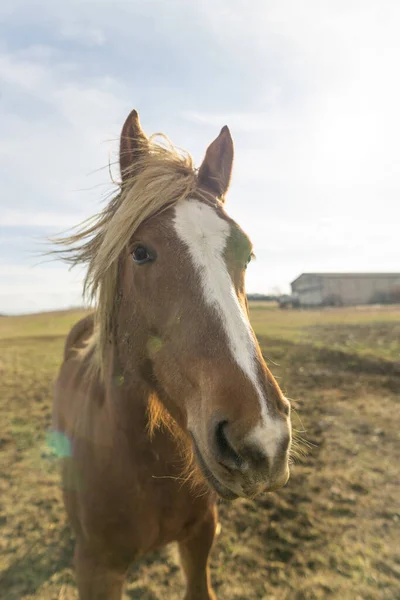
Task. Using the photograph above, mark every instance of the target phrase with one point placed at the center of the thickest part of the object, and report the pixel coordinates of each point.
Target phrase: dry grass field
(332, 532)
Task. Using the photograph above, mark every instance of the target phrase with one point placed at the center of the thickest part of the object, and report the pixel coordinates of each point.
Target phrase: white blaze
(206, 235)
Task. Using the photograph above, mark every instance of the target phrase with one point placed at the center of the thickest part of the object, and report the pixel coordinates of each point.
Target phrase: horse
(163, 396)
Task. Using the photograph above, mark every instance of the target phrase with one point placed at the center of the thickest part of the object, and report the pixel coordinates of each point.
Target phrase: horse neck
(131, 383)
(126, 393)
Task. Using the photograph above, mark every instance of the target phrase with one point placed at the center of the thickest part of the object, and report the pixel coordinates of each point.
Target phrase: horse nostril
(226, 455)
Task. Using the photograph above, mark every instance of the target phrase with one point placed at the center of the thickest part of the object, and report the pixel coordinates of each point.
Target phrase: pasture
(332, 532)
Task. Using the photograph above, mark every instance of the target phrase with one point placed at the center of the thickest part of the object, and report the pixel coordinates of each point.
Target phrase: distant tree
(260, 298)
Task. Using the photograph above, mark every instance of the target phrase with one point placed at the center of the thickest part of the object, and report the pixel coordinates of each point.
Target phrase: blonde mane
(162, 176)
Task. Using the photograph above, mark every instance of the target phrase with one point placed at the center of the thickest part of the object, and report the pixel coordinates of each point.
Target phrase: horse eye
(140, 255)
(249, 259)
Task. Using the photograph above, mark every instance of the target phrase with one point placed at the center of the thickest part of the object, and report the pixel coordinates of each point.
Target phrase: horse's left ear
(132, 143)
(216, 169)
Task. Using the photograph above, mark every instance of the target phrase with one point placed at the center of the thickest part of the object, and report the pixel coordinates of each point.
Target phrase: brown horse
(163, 395)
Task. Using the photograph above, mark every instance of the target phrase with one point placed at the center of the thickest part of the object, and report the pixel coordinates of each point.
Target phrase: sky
(310, 91)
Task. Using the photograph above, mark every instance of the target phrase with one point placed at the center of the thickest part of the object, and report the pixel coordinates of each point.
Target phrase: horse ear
(132, 143)
(216, 169)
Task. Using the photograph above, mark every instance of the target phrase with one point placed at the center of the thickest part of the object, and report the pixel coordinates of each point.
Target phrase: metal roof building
(336, 289)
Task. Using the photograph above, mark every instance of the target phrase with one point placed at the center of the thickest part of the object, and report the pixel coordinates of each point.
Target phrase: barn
(336, 289)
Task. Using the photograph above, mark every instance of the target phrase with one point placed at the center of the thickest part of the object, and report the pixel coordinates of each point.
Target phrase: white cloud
(75, 135)
(244, 122)
(42, 219)
(37, 288)
(89, 36)
(46, 163)
(26, 75)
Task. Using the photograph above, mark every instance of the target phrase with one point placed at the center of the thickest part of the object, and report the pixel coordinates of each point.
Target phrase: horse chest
(148, 505)
(166, 505)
